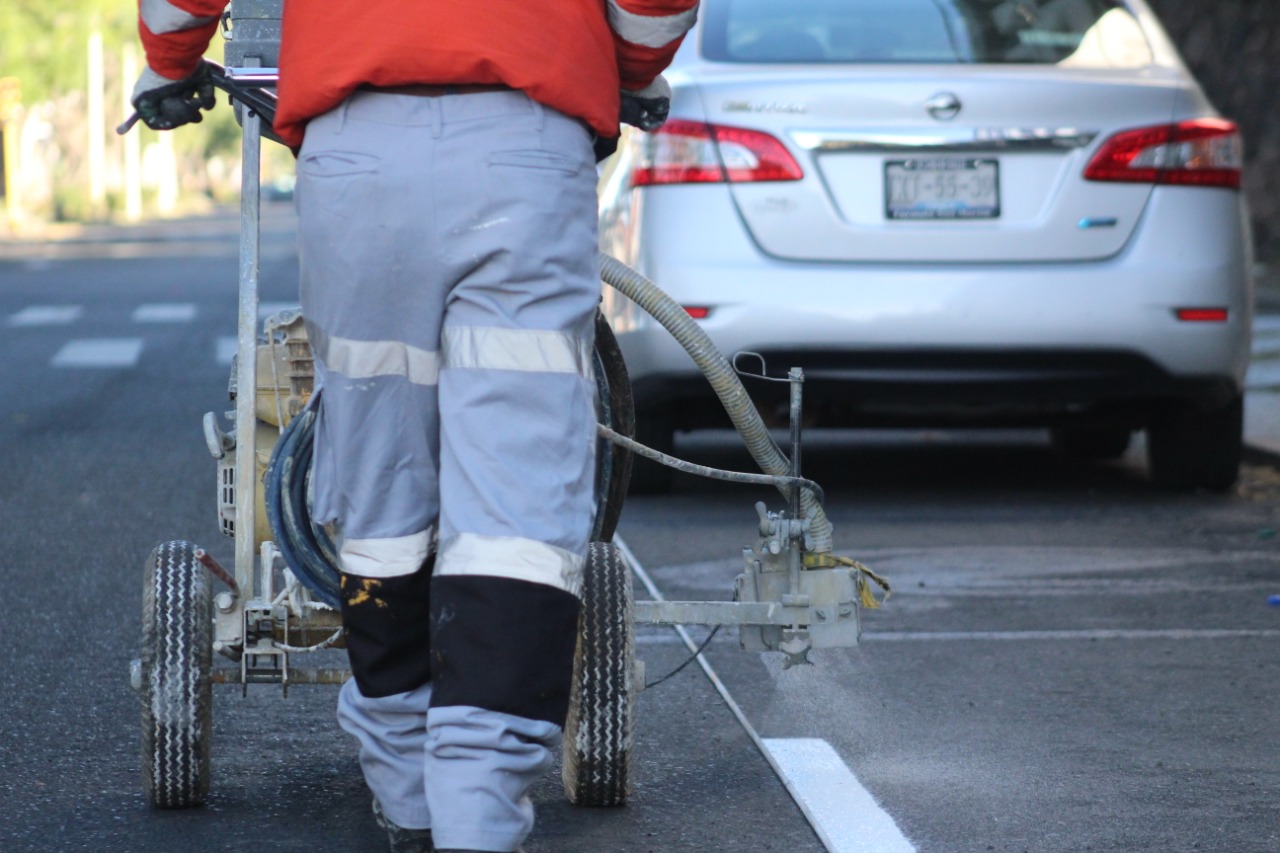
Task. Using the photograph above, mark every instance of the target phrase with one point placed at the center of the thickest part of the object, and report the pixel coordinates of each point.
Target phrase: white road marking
(842, 811)
(226, 349)
(99, 352)
(165, 312)
(46, 315)
(843, 822)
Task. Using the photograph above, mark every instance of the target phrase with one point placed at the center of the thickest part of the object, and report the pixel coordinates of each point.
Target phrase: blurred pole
(97, 128)
(132, 141)
(11, 121)
(12, 194)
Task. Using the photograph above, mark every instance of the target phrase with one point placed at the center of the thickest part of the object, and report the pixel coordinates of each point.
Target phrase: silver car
(949, 213)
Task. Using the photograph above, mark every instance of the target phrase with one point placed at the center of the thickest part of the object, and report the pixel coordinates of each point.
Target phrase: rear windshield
(1084, 33)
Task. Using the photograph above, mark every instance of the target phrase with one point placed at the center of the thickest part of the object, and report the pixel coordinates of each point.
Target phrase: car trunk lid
(982, 164)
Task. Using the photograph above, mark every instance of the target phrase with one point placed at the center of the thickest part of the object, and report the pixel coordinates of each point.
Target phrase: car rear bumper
(902, 341)
(948, 387)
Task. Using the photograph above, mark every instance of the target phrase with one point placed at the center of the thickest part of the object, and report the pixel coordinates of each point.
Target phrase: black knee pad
(387, 622)
(503, 645)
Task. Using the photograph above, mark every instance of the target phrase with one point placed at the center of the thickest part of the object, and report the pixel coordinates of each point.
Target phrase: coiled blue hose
(306, 547)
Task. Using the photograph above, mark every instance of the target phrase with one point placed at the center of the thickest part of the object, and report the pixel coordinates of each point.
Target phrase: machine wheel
(177, 698)
(1093, 443)
(613, 468)
(1189, 448)
(599, 735)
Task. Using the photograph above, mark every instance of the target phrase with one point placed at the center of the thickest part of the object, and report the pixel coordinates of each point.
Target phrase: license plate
(942, 188)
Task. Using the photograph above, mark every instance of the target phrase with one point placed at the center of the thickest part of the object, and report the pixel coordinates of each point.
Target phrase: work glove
(647, 109)
(164, 104)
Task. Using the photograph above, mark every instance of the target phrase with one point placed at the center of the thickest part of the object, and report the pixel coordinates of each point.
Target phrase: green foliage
(45, 45)
(44, 42)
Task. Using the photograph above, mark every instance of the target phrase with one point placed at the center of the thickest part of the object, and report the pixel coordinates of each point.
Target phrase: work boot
(402, 840)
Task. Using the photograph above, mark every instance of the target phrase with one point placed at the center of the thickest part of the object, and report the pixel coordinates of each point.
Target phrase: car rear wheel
(1189, 448)
(1094, 443)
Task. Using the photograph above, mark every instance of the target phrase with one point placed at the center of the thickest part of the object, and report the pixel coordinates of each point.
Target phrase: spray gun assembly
(280, 601)
(794, 594)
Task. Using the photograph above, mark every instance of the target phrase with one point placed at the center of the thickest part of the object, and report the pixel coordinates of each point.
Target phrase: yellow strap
(830, 561)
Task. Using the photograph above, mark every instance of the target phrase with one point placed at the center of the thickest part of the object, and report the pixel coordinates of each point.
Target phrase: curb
(1262, 454)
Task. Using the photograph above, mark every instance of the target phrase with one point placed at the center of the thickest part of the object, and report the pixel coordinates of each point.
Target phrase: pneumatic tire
(616, 411)
(599, 735)
(177, 697)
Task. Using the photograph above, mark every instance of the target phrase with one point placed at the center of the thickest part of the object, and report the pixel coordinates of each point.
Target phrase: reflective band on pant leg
(384, 558)
(514, 558)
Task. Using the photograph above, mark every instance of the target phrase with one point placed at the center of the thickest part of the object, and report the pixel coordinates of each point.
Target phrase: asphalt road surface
(1071, 659)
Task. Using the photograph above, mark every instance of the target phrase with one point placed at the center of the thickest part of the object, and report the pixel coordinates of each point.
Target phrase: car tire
(1190, 448)
(1091, 443)
(653, 429)
(177, 697)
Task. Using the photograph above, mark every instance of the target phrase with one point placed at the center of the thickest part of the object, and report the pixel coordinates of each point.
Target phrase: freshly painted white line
(1092, 634)
(226, 349)
(99, 352)
(165, 312)
(836, 842)
(46, 315)
(266, 309)
(842, 811)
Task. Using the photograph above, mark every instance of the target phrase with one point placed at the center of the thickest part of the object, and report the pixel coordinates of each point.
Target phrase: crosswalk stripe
(165, 312)
(46, 315)
(99, 352)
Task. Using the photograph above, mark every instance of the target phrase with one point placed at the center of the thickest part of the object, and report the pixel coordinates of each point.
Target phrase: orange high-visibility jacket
(571, 55)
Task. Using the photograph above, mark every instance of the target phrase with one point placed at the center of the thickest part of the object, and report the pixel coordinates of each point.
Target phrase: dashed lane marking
(844, 815)
(842, 811)
(165, 312)
(46, 315)
(99, 352)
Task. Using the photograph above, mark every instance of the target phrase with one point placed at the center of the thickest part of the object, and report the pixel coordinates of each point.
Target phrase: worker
(447, 244)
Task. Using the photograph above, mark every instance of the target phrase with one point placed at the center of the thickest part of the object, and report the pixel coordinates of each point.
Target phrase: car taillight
(1202, 315)
(1203, 153)
(693, 152)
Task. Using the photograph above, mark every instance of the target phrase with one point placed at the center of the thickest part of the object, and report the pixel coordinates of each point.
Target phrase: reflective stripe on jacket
(571, 55)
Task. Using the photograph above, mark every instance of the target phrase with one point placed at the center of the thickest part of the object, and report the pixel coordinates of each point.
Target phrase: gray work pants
(449, 281)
